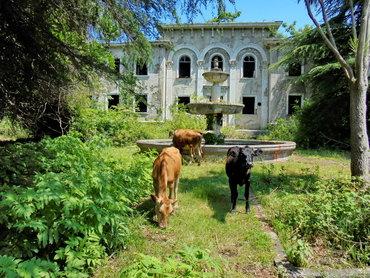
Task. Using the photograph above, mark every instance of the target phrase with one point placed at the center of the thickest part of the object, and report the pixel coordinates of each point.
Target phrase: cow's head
(163, 209)
(246, 155)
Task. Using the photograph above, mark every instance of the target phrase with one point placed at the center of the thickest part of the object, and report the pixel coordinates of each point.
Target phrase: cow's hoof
(248, 210)
(233, 211)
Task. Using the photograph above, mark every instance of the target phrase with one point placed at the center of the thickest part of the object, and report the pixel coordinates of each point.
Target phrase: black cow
(238, 168)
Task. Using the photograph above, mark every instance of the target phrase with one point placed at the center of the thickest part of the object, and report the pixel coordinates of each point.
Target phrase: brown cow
(166, 172)
(187, 138)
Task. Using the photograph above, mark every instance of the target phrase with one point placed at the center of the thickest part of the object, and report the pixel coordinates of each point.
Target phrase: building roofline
(154, 43)
(229, 25)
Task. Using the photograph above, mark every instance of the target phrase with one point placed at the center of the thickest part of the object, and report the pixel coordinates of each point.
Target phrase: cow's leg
(234, 195)
(176, 187)
(199, 154)
(246, 192)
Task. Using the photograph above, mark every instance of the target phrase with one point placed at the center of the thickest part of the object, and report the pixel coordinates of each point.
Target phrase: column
(265, 94)
(199, 84)
(169, 89)
(233, 96)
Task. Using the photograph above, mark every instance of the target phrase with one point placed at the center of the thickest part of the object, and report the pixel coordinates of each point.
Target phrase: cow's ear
(232, 152)
(257, 152)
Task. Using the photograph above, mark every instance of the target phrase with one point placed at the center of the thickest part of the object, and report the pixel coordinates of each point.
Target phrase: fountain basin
(215, 76)
(205, 108)
(272, 150)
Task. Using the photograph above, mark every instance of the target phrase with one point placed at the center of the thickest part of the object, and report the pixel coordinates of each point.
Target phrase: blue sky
(265, 10)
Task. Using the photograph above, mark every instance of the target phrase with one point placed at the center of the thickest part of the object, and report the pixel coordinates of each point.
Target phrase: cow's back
(169, 163)
(183, 137)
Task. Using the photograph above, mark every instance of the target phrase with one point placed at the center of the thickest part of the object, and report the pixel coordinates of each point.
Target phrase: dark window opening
(294, 69)
(142, 103)
(294, 103)
(248, 105)
(113, 101)
(220, 62)
(141, 69)
(184, 101)
(117, 63)
(249, 66)
(184, 67)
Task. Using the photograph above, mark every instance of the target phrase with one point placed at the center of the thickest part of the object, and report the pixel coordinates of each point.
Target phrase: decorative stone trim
(169, 64)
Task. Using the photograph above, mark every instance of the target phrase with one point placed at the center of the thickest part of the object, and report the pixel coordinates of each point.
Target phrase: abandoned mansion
(244, 50)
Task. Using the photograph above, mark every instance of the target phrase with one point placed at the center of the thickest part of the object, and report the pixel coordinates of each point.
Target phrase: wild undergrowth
(314, 209)
(124, 127)
(67, 204)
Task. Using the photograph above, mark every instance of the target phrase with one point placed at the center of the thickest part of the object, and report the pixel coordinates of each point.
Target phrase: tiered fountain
(214, 110)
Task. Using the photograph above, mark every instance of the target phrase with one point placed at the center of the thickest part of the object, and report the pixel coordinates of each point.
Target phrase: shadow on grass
(213, 188)
(146, 208)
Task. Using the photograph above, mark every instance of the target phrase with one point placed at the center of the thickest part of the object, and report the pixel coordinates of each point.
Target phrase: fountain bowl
(272, 150)
(215, 76)
(204, 108)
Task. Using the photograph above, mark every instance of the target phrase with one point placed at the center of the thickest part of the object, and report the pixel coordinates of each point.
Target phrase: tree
(47, 46)
(356, 72)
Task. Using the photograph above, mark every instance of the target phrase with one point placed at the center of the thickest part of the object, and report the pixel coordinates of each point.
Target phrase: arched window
(184, 67)
(249, 66)
(220, 62)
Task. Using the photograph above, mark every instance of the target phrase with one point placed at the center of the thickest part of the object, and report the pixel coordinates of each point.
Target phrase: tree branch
(362, 54)
(346, 67)
(354, 33)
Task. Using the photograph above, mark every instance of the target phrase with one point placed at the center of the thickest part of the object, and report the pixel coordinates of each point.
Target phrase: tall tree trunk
(359, 136)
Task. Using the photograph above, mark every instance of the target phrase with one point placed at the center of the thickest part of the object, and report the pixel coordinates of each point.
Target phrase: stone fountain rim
(228, 143)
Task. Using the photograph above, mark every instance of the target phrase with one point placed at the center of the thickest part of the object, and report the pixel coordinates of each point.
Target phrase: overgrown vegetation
(11, 130)
(310, 211)
(68, 211)
(123, 126)
(189, 262)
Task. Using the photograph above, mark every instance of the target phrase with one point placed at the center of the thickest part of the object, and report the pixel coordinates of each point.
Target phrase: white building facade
(244, 50)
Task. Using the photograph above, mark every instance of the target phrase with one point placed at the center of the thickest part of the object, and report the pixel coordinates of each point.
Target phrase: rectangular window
(113, 101)
(141, 69)
(248, 105)
(141, 103)
(294, 69)
(117, 63)
(184, 101)
(294, 102)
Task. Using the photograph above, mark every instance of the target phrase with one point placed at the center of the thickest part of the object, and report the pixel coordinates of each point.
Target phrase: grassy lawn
(236, 241)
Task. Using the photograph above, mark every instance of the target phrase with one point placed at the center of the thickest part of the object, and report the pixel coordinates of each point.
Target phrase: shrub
(189, 262)
(74, 211)
(335, 210)
(11, 130)
(123, 126)
(283, 129)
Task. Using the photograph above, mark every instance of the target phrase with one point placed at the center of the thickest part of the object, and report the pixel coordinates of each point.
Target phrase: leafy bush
(213, 139)
(73, 210)
(298, 251)
(283, 129)
(123, 126)
(11, 130)
(189, 262)
(12, 267)
(336, 210)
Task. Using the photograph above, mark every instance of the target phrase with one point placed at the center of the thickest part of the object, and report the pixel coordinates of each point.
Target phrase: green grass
(282, 186)
(238, 241)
